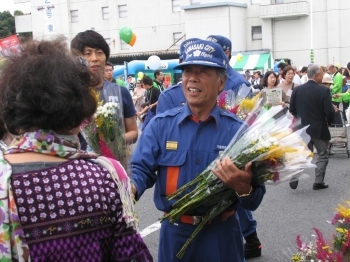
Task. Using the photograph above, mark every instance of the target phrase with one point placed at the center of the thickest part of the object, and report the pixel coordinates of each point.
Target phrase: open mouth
(194, 90)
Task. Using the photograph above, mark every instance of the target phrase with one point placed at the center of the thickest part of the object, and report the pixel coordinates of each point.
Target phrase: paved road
(283, 214)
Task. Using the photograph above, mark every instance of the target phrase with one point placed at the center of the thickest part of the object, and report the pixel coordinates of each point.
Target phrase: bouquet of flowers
(276, 150)
(319, 249)
(241, 105)
(105, 135)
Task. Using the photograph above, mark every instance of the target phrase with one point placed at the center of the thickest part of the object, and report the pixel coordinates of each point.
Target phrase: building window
(74, 16)
(256, 33)
(105, 13)
(123, 45)
(176, 37)
(256, 2)
(195, 2)
(123, 11)
(176, 6)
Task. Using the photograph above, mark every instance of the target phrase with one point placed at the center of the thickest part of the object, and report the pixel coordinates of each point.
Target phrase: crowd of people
(59, 203)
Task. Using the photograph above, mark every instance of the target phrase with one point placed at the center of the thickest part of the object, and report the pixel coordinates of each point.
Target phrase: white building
(280, 28)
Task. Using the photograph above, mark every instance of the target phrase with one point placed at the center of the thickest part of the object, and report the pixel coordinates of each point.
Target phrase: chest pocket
(171, 162)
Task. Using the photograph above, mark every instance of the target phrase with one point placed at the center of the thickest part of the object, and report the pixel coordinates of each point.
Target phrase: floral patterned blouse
(68, 212)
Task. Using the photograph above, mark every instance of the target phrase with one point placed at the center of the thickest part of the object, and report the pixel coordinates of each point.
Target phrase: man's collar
(186, 112)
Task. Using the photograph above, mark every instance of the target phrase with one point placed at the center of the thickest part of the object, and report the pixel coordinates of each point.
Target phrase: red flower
(105, 151)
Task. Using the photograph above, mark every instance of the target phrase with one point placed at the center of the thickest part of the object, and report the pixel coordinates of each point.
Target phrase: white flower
(39, 197)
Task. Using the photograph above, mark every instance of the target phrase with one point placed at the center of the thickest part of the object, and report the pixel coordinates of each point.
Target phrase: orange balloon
(133, 40)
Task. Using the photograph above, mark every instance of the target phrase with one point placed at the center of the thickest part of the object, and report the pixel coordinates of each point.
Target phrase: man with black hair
(158, 80)
(281, 66)
(93, 47)
(108, 72)
(303, 78)
(257, 85)
(108, 75)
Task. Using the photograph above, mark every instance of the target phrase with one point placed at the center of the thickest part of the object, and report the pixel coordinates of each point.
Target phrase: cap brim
(198, 62)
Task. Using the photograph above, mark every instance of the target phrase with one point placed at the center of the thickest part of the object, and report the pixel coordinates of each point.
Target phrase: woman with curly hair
(288, 85)
(58, 203)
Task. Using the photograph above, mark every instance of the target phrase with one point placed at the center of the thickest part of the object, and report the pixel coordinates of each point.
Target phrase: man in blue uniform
(179, 144)
(234, 79)
(174, 97)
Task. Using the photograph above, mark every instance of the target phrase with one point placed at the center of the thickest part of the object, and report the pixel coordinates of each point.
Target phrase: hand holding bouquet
(275, 150)
(104, 134)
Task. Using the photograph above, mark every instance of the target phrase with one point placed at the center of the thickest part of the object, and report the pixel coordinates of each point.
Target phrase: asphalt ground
(283, 214)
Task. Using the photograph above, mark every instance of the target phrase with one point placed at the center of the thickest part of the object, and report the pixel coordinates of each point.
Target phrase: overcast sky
(8, 5)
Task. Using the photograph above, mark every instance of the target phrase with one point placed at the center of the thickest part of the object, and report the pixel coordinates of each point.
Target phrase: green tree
(8, 27)
(7, 24)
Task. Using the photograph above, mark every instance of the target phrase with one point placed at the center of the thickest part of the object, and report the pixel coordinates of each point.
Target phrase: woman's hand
(238, 180)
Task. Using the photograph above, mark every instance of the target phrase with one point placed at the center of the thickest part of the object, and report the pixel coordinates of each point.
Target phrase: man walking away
(312, 102)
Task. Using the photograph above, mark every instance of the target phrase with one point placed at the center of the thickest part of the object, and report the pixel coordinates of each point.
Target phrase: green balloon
(125, 34)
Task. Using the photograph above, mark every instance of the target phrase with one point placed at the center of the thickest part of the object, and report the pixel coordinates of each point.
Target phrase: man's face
(96, 59)
(108, 72)
(160, 77)
(331, 69)
(201, 85)
(256, 76)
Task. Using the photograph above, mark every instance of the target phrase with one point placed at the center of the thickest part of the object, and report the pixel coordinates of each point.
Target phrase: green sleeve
(337, 87)
(345, 96)
(337, 84)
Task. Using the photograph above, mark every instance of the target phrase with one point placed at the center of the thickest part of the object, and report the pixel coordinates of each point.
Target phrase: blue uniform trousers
(218, 241)
(248, 223)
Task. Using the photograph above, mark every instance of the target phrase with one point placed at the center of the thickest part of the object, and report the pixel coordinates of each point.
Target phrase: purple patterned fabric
(73, 212)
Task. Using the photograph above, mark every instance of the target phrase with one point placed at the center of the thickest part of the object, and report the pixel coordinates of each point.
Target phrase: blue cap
(186, 43)
(205, 53)
(221, 40)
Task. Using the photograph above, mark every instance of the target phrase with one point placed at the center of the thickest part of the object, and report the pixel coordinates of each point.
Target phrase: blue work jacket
(174, 149)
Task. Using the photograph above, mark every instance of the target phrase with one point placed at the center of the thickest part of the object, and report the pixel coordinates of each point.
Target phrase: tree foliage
(7, 25)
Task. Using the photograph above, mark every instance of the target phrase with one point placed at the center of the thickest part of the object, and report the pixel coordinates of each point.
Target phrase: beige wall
(154, 24)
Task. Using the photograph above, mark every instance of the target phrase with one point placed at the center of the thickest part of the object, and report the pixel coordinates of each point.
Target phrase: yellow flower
(296, 258)
(99, 120)
(277, 152)
(344, 211)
